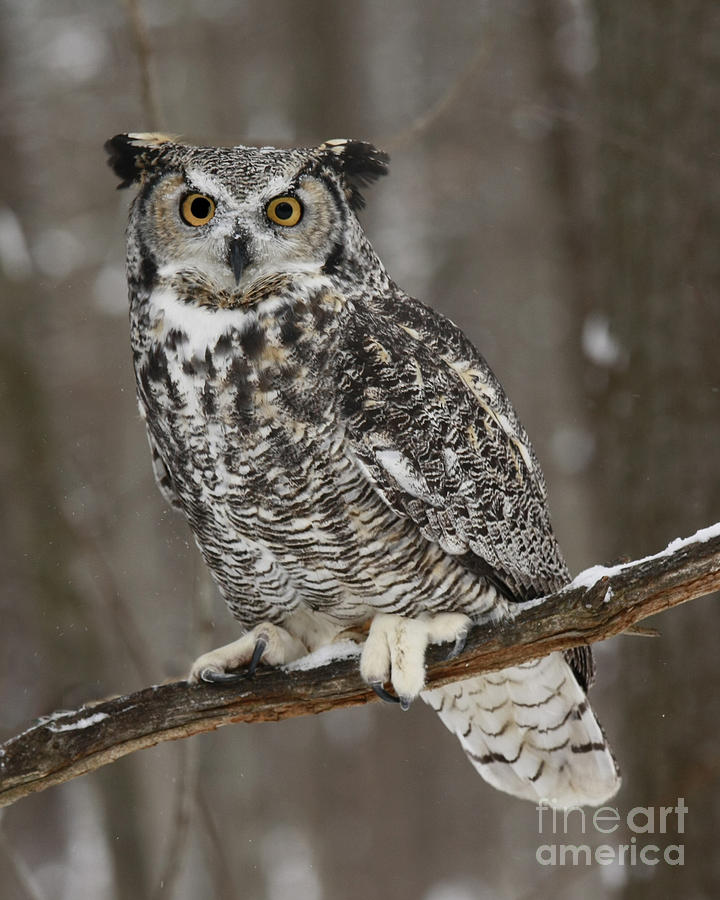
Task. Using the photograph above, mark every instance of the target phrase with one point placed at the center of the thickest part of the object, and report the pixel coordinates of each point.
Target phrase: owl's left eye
(197, 209)
(284, 211)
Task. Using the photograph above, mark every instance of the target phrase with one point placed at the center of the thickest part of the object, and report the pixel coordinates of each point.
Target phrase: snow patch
(516, 608)
(700, 537)
(78, 723)
(14, 254)
(592, 575)
(598, 343)
(323, 656)
(589, 577)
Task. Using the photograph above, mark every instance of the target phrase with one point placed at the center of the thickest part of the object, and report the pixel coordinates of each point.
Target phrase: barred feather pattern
(529, 730)
(339, 449)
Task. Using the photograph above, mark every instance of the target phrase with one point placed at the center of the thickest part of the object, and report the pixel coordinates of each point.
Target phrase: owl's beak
(238, 256)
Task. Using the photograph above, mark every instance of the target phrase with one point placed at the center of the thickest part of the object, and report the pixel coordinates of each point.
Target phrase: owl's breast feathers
(236, 360)
(382, 408)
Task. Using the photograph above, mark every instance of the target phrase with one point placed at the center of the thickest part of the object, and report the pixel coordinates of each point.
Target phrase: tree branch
(598, 604)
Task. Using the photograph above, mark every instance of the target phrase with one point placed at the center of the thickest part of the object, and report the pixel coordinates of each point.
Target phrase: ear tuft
(131, 154)
(358, 162)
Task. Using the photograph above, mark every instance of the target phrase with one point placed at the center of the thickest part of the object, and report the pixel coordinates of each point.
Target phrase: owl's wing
(431, 428)
(162, 475)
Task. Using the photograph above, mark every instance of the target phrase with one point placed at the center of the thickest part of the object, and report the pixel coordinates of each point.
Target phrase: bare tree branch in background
(453, 93)
(143, 50)
(600, 603)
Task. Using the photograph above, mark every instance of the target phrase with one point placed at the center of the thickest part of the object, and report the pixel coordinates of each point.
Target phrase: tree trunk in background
(656, 405)
(59, 660)
(633, 151)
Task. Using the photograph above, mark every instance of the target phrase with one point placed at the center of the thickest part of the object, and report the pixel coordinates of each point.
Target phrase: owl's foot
(266, 643)
(395, 651)
(211, 675)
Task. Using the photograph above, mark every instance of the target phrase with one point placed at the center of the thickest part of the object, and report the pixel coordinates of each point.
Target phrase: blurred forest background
(554, 189)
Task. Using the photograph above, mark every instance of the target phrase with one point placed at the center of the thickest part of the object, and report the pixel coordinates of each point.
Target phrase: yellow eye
(197, 209)
(284, 211)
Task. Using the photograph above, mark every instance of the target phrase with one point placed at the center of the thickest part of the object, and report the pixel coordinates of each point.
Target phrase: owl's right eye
(197, 209)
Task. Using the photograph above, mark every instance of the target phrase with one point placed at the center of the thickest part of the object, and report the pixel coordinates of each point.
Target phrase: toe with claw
(213, 676)
(395, 651)
(265, 643)
(382, 693)
(459, 644)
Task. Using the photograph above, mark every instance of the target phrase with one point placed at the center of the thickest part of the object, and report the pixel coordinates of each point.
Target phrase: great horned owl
(344, 455)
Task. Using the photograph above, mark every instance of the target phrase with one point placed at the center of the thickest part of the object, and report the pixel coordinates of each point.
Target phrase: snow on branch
(600, 603)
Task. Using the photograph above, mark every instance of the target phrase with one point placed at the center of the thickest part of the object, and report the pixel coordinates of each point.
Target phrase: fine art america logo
(636, 844)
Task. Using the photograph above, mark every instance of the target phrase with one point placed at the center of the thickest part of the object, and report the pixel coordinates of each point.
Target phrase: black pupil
(284, 210)
(200, 207)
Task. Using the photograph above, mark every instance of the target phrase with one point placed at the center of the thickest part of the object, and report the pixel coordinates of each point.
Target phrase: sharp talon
(383, 694)
(459, 645)
(405, 703)
(260, 647)
(212, 677)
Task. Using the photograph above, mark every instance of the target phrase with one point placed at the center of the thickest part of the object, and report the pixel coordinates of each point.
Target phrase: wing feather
(430, 426)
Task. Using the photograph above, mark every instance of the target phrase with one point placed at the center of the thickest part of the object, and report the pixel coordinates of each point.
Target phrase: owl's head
(241, 213)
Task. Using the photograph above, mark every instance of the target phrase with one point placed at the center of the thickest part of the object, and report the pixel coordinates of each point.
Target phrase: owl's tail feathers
(529, 730)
